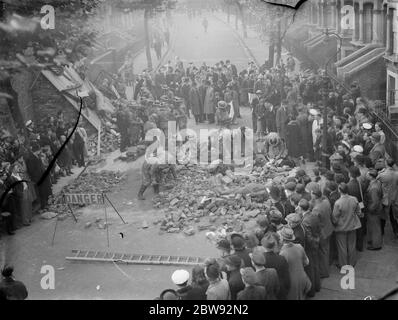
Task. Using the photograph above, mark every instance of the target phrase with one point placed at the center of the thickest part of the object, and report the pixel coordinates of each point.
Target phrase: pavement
(31, 248)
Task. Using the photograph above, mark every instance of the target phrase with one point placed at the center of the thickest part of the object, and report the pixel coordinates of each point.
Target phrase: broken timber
(99, 256)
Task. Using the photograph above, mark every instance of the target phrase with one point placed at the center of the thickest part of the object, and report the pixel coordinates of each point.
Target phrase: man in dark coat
(185, 89)
(233, 264)
(270, 118)
(267, 277)
(123, 122)
(277, 262)
(282, 120)
(195, 102)
(312, 230)
(11, 289)
(232, 67)
(202, 95)
(294, 139)
(238, 244)
(303, 123)
(35, 169)
(357, 190)
(252, 291)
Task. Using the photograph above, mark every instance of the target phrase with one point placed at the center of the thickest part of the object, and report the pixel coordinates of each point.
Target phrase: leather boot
(156, 188)
(141, 193)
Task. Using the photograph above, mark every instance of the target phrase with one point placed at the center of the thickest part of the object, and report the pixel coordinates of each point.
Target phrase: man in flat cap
(277, 262)
(266, 277)
(378, 151)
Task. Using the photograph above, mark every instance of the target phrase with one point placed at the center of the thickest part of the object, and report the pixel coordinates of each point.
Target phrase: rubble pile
(88, 182)
(110, 141)
(228, 199)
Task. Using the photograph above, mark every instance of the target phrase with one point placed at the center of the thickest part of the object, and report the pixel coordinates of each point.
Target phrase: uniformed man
(122, 121)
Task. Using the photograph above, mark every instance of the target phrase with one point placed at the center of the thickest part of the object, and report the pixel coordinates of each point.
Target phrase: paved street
(31, 247)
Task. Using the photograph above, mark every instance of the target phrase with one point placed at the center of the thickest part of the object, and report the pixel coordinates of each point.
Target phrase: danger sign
(83, 198)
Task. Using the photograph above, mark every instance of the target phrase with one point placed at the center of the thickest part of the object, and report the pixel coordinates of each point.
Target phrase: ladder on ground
(100, 256)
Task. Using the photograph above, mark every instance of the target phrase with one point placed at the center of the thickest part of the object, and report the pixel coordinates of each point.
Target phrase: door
(368, 22)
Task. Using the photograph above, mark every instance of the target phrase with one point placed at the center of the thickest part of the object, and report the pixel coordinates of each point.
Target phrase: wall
(372, 80)
(47, 101)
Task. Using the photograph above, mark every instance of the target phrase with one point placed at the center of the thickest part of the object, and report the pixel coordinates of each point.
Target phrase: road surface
(30, 249)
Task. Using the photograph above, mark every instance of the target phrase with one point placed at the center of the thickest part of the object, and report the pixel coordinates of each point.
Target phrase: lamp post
(325, 93)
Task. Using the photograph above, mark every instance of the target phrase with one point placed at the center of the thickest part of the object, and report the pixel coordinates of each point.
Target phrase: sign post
(99, 140)
(87, 198)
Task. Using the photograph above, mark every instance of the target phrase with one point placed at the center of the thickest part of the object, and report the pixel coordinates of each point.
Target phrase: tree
(28, 49)
(151, 8)
(69, 41)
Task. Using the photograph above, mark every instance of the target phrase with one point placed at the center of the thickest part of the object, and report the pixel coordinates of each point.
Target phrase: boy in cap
(275, 261)
(266, 277)
(233, 264)
(240, 250)
(252, 291)
(294, 222)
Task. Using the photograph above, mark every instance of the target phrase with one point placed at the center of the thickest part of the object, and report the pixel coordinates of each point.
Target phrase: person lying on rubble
(222, 114)
(275, 149)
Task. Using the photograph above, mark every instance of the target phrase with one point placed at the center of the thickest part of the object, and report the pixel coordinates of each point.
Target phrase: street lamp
(325, 93)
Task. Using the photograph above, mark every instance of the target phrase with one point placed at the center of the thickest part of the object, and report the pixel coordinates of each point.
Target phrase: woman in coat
(208, 104)
(293, 139)
(194, 102)
(296, 258)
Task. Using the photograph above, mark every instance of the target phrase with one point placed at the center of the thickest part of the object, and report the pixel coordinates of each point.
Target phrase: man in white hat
(185, 291)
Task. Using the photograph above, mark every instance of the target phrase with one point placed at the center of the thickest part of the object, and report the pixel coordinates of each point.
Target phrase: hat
(258, 257)
(291, 179)
(291, 186)
(287, 234)
(313, 187)
(180, 276)
(314, 112)
(259, 92)
(249, 276)
(268, 241)
(300, 188)
(357, 148)
(367, 126)
(275, 216)
(300, 173)
(222, 104)
(293, 219)
(331, 185)
(237, 241)
(335, 157)
(234, 261)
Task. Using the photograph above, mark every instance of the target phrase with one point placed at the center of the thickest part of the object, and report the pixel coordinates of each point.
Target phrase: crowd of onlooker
(312, 224)
(315, 219)
(26, 186)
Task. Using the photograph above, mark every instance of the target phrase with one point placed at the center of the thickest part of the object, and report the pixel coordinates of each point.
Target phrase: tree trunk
(279, 44)
(243, 19)
(147, 42)
(271, 53)
(236, 20)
